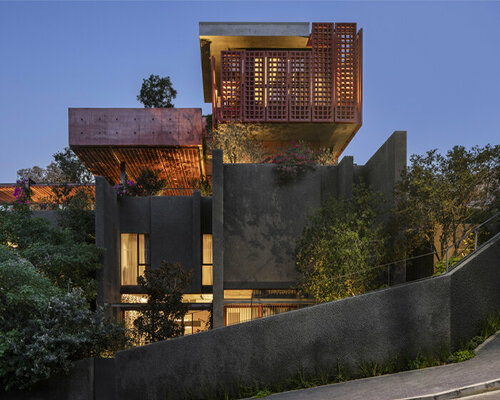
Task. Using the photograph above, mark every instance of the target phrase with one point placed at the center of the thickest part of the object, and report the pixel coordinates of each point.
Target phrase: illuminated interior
(207, 267)
(134, 257)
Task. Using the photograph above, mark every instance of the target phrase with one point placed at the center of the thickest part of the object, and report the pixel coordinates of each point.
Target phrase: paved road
(418, 384)
(495, 395)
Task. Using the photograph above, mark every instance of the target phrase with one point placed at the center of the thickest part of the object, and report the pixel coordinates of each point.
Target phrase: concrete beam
(254, 28)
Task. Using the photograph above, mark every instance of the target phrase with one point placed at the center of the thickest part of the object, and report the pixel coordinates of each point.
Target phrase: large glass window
(134, 257)
(207, 267)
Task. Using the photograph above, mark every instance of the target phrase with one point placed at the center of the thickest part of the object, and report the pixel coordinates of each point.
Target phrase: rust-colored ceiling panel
(179, 165)
(41, 193)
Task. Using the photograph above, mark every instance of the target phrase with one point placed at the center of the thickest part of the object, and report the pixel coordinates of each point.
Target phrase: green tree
(163, 316)
(42, 329)
(66, 168)
(57, 253)
(157, 92)
(441, 196)
(337, 250)
(148, 183)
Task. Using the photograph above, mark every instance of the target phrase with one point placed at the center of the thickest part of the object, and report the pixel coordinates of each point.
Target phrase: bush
(337, 250)
(42, 329)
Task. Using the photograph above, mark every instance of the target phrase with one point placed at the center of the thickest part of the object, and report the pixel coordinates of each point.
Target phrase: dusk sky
(431, 68)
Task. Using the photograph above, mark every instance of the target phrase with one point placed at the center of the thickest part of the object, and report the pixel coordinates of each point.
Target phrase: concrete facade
(174, 224)
(256, 220)
(421, 316)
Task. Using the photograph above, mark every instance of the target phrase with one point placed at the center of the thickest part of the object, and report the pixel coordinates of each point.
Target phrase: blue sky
(431, 68)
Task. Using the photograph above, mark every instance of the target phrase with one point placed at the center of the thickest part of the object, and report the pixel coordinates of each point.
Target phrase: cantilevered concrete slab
(168, 139)
(218, 36)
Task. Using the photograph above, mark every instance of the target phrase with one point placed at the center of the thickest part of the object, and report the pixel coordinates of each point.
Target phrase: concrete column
(123, 173)
(218, 237)
(345, 177)
(196, 239)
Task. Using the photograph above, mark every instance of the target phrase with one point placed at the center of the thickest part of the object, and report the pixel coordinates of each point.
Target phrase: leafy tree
(157, 92)
(66, 168)
(163, 316)
(338, 248)
(148, 183)
(42, 329)
(57, 253)
(77, 215)
(440, 196)
(239, 143)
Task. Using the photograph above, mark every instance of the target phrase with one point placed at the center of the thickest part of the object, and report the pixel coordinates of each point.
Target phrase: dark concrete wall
(78, 385)
(384, 168)
(51, 215)
(174, 224)
(475, 291)
(107, 233)
(263, 218)
(401, 321)
(398, 321)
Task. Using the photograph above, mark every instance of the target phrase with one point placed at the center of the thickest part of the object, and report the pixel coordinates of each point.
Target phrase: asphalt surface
(480, 374)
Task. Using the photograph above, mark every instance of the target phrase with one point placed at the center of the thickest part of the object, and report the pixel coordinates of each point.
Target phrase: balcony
(320, 84)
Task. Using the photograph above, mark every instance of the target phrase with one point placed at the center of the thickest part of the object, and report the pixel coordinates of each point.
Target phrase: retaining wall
(421, 316)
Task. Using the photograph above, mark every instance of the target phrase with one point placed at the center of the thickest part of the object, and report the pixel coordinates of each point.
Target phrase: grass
(341, 373)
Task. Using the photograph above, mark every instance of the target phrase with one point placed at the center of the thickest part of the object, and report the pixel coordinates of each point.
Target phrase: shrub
(42, 329)
(337, 250)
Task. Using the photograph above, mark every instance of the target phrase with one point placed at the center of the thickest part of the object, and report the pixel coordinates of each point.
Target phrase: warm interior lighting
(207, 261)
(198, 298)
(134, 257)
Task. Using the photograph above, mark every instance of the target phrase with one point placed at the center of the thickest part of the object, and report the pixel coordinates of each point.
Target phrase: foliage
(77, 215)
(203, 185)
(42, 329)
(22, 191)
(440, 197)
(157, 92)
(163, 315)
(239, 143)
(336, 251)
(65, 168)
(57, 253)
(147, 183)
(293, 161)
(72, 168)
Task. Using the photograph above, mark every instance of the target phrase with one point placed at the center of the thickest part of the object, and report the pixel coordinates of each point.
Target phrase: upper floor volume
(282, 73)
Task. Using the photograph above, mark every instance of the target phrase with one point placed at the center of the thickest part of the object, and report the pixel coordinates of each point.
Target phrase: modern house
(289, 83)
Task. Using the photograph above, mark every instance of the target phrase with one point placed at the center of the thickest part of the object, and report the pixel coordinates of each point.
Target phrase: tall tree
(163, 316)
(157, 92)
(440, 196)
(66, 168)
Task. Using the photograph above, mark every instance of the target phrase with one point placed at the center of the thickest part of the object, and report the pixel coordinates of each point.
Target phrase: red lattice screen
(322, 71)
(300, 85)
(277, 86)
(345, 72)
(214, 94)
(254, 94)
(359, 76)
(231, 85)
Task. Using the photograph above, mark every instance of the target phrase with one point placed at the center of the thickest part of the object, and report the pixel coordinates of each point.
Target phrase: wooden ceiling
(41, 193)
(180, 166)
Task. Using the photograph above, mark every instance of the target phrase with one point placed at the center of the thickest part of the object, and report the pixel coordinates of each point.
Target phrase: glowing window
(207, 263)
(134, 257)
